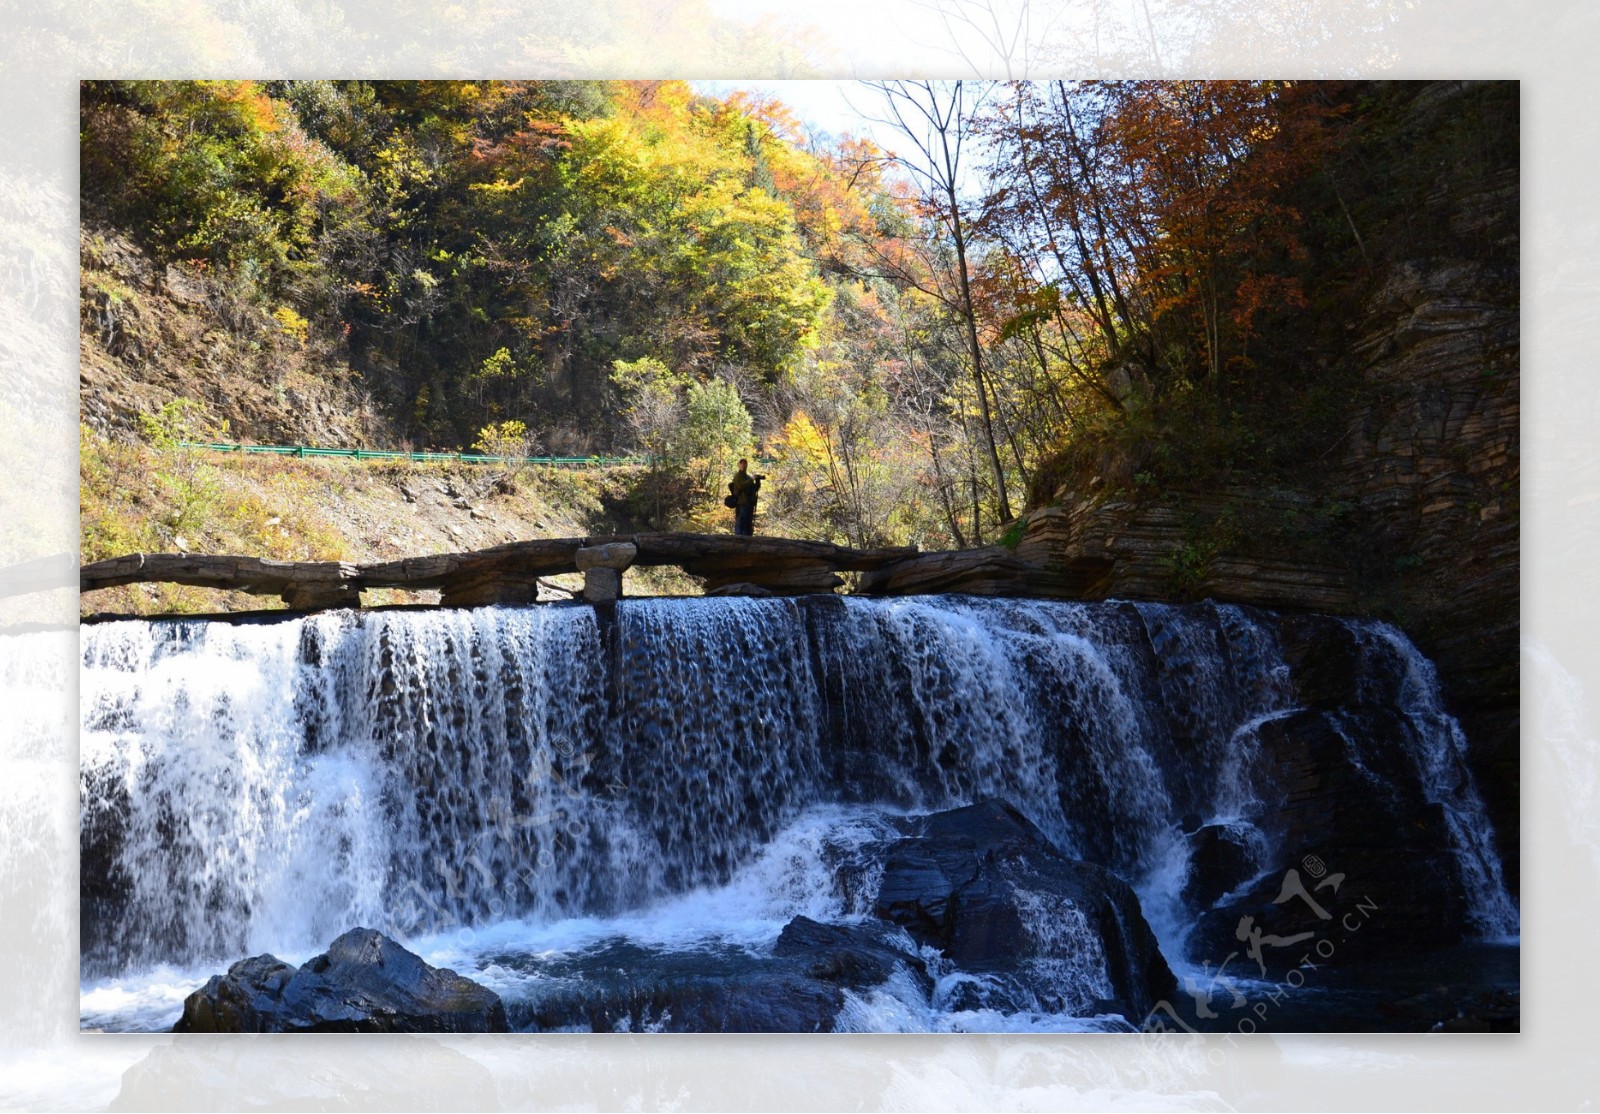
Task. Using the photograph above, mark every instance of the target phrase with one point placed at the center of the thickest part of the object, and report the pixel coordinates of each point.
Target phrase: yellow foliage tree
(804, 442)
(504, 439)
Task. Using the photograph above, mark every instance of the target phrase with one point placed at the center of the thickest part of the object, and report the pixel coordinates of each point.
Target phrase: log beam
(509, 574)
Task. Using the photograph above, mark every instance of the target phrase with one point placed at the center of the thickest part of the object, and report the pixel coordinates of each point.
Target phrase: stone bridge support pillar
(602, 567)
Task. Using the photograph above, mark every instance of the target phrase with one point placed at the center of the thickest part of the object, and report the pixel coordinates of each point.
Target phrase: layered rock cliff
(1413, 513)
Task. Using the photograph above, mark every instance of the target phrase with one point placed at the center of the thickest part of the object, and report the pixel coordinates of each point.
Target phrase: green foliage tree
(655, 412)
(212, 170)
(188, 486)
(716, 428)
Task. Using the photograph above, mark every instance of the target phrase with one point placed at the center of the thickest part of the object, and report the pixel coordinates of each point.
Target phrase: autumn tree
(624, 264)
(936, 119)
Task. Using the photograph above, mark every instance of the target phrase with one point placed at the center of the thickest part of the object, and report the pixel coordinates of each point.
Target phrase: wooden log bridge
(510, 573)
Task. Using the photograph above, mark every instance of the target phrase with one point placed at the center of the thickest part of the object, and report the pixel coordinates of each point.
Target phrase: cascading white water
(231, 830)
(262, 787)
(1440, 752)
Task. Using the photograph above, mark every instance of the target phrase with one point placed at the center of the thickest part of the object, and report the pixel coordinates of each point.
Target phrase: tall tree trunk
(975, 350)
(940, 146)
(944, 490)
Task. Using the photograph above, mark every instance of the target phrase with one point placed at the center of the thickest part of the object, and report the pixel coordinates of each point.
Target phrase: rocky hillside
(151, 333)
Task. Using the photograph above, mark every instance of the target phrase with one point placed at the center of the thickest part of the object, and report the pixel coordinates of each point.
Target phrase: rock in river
(984, 886)
(363, 983)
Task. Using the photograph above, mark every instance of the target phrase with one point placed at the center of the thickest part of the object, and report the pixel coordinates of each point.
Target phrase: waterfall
(265, 785)
(1440, 752)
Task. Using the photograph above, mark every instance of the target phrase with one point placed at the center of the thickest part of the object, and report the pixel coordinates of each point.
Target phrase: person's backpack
(730, 501)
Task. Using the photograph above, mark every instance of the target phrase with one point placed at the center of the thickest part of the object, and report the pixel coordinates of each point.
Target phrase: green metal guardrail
(463, 458)
(386, 454)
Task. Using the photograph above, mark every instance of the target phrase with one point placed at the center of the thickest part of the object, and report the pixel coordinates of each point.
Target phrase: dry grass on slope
(136, 497)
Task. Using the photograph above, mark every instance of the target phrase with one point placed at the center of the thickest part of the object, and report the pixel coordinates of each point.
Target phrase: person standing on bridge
(743, 490)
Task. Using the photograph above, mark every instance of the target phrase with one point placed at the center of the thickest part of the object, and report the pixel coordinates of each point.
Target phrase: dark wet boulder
(855, 956)
(363, 983)
(984, 886)
(1324, 660)
(1349, 815)
(800, 986)
(994, 993)
(623, 986)
(1222, 857)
